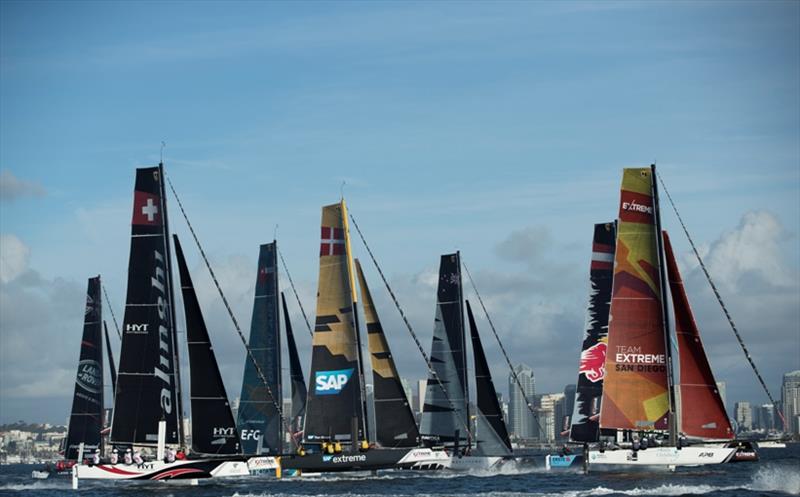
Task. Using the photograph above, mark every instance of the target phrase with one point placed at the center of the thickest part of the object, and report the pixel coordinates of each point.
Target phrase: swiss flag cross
(332, 241)
(146, 208)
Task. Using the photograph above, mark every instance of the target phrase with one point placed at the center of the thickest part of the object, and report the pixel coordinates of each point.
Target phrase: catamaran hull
(475, 463)
(371, 460)
(658, 457)
(567, 461)
(159, 470)
(262, 465)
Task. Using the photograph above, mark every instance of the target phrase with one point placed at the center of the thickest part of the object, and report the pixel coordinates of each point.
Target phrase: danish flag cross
(332, 241)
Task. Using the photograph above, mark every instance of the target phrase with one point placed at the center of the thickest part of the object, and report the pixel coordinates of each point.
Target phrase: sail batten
(636, 387)
(258, 420)
(148, 388)
(86, 415)
(395, 424)
(591, 368)
(707, 417)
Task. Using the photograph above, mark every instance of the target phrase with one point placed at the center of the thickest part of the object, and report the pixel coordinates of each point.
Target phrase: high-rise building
(744, 416)
(721, 387)
(790, 400)
(520, 419)
(551, 409)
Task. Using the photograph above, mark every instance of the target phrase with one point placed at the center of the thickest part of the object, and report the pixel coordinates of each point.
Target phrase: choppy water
(777, 474)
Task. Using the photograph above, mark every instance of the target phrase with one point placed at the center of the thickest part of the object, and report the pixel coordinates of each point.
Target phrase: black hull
(371, 460)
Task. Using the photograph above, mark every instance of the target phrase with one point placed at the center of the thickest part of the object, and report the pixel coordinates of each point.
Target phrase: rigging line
(531, 408)
(408, 326)
(108, 301)
(294, 290)
(719, 299)
(260, 373)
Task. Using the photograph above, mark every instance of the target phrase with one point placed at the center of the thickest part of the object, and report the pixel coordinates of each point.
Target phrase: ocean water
(777, 474)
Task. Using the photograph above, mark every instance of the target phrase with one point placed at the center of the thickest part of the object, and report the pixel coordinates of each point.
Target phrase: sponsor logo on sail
(250, 434)
(636, 207)
(331, 382)
(229, 432)
(163, 369)
(89, 377)
(633, 359)
(593, 362)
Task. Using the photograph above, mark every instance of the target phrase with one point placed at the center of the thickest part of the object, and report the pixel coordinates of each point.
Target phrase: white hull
(658, 457)
(262, 465)
(159, 470)
(425, 459)
(475, 463)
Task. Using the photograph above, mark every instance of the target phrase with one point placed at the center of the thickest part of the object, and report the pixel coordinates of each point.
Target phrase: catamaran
(86, 420)
(260, 427)
(639, 400)
(148, 410)
(336, 432)
(445, 415)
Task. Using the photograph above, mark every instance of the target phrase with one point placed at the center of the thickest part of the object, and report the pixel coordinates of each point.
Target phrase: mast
(465, 374)
(171, 294)
(354, 301)
(664, 309)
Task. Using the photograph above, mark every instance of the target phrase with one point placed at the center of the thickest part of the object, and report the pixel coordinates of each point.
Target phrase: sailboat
(148, 410)
(584, 421)
(260, 427)
(336, 433)
(445, 414)
(84, 436)
(639, 392)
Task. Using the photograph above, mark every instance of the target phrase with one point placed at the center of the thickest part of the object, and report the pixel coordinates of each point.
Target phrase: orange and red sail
(706, 416)
(636, 388)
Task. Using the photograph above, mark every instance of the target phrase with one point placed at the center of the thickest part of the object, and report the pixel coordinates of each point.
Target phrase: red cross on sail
(146, 208)
(332, 241)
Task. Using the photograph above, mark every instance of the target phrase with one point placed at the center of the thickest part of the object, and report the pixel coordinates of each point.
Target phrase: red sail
(703, 413)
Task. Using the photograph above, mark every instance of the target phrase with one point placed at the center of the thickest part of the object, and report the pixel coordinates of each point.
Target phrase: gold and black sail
(394, 422)
(335, 408)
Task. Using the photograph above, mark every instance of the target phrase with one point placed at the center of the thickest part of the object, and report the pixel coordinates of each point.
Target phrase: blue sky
(496, 128)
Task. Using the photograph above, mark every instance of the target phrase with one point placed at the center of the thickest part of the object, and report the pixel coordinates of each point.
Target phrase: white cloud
(14, 255)
(12, 188)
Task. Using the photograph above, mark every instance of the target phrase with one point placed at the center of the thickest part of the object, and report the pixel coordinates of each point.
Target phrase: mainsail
(299, 390)
(441, 420)
(591, 370)
(258, 420)
(213, 428)
(395, 424)
(86, 416)
(148, 382)
(492, 435)
(703, 413)
(335, 404)
(636, 386)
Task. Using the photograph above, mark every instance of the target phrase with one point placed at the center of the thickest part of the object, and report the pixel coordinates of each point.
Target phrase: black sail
(111, 367)
(299, 390)
(86, 416)
(258, 420)
(148, 382)
(492, 438)
(591, 370)
(440, 418)
(395, 424)
(213, 428)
